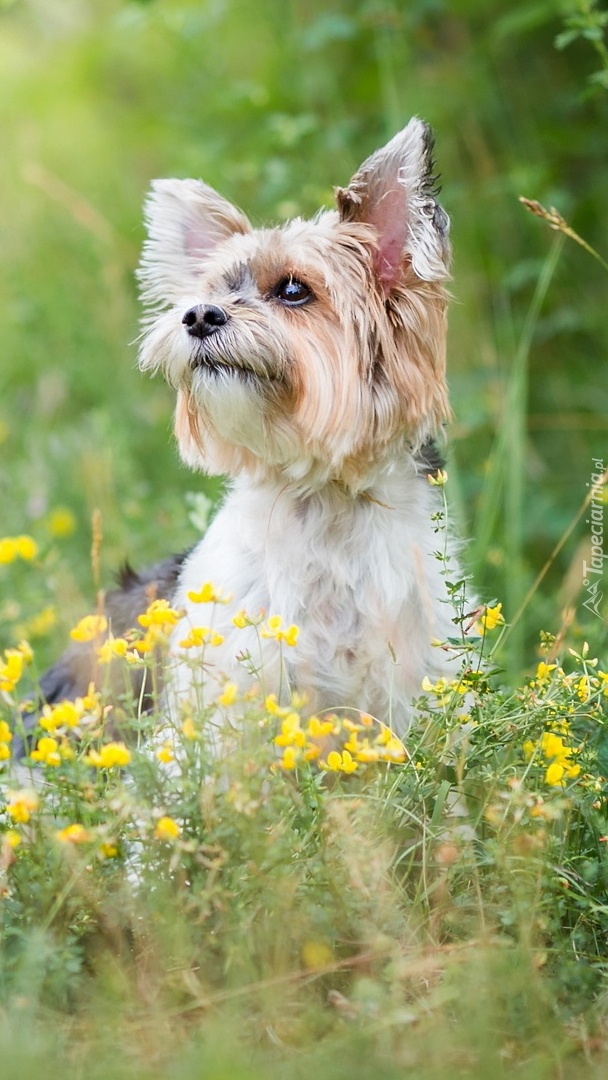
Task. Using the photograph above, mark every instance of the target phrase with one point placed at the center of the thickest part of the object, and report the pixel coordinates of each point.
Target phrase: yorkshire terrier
(309, 365)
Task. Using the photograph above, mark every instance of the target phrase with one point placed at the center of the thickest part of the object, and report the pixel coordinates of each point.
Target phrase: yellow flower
(273, 628)
(528, 748)
(65, 714)
(8, 549)
(188, 729)
(228, 695)
(167, 829)
(108, 850)
(112, 647)
(160, 614)
(89, 628)
(291, 732)
(12, 668)
(582, 688)
(289, 759)
(199, 636)
(12, 838)
(343, 762)
(61, 522)
(5, 752)
(47, 751)
(17, 547)
(367, 753)
(554, 774)
(27, 548)
(317, 729)
(73, 834)
(165, 754)
(21, 805)
(241, 619)
(316, 954)
(543, 671)
(208, 594)
(393, 750)
(6, 734)
(492, 617)
(438, 479)
(113, 753)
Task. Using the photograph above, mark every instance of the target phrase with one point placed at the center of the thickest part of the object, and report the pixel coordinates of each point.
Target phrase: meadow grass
(444, 912)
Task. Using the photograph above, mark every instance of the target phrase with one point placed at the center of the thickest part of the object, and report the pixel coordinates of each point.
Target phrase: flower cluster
(72, 714)
(562, 766)
(17, 547)
(12, 665)
(354, 743)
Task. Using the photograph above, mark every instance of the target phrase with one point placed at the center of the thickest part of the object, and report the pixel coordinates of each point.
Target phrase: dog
(309, 365)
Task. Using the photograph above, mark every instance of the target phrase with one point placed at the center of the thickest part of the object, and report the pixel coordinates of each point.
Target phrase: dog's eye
(292, 292)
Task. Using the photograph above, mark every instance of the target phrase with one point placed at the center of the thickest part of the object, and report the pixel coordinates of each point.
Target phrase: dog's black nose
(204, 319)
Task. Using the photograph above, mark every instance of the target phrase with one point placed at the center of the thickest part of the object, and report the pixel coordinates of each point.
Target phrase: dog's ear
(186, 220)
(394, 191)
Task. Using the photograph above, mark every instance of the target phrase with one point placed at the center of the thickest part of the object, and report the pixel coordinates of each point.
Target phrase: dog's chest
(355, 579)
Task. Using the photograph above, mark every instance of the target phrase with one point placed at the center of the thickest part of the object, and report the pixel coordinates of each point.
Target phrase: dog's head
(316, 349)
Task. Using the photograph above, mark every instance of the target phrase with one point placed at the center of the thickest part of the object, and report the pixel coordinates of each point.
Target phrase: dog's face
(315, 349)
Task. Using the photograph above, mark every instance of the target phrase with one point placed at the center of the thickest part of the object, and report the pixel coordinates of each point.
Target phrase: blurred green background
(273, 103)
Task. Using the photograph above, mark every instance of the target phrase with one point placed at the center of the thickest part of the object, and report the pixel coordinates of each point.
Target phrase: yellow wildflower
(228, 695)
(89, 628)
(543, 671)
(21, 805)
(112, 647)
(208, 594)
(291, 732)
(318, 729)
(8, 549)
(47, 751)
(165, 754)
(167, 829)
(367, 753)
(438, 479)
(108, 850)
(61, 522)
(73, 834)
(42, 623)
(343, 762)
(6, 734)
(14, 662)
(5, 752)
(12, 838)
(65, 714)
(113, 753)
(393, 750)
(492, 618)
(273, 628)
(316, 954)
(241, 619)
(289, 759)
(199, 636)
(555, 773)
(159, 614)
(189, 729)
(17, 547)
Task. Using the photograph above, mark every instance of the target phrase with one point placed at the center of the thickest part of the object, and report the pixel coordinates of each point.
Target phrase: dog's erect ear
(186, 220)
(394, 191)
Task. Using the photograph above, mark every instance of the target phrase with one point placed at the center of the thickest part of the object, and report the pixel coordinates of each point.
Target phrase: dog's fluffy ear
(186, 220)
(394, 191)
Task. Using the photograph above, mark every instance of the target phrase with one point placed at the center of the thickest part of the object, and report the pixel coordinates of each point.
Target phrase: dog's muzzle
(204, 319)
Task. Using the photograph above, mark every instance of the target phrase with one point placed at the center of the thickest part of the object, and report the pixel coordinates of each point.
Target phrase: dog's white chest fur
(358, 578)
